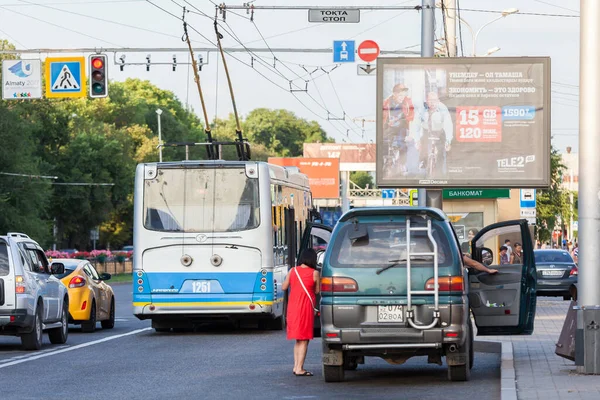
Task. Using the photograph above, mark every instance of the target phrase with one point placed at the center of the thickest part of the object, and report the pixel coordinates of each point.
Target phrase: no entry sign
(368, 51)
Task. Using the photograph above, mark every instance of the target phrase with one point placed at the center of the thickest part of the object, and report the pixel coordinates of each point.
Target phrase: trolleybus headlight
(263, 272)
(140, 288)
(216, 260)
(140, 282)
(263, 287)
(140, 274)
(186, 260)
(263, 280)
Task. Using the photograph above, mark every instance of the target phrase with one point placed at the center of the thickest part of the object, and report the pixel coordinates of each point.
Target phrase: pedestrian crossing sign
(65, 77)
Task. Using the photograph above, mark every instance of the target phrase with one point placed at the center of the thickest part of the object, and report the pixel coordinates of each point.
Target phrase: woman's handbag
(306, 291)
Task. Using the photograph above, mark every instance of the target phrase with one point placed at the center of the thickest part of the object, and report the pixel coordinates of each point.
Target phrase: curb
(508, 384)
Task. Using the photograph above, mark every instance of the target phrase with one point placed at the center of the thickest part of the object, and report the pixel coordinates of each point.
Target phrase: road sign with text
(335, 15)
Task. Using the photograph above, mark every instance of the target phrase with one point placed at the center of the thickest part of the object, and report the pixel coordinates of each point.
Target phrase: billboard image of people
(463, 122)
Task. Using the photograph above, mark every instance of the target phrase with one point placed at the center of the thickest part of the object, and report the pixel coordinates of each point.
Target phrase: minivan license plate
(552, 273)
(392, 313)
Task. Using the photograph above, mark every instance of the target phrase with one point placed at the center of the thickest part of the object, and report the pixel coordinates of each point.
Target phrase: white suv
(32, 299)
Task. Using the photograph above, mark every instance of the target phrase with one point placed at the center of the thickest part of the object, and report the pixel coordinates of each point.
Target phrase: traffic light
(98, 76)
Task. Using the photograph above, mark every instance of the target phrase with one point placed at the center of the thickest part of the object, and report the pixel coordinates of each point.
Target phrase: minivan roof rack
(18, 234)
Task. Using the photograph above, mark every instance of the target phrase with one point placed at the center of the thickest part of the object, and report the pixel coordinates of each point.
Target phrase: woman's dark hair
(309, 258)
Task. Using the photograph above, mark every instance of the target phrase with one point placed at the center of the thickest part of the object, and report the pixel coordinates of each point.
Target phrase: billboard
(323, 174)
(463, 122)
(346, 152)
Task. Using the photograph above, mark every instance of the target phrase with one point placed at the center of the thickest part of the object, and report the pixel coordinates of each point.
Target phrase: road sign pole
(589, 189)
(429, 198)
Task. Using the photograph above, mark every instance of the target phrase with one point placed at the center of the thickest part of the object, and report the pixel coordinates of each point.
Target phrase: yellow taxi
(90, 299)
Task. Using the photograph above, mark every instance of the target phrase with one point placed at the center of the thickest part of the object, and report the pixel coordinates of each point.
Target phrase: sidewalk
(540, 373)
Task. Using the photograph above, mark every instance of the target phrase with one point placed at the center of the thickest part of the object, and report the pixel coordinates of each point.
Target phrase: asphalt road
(131, 361)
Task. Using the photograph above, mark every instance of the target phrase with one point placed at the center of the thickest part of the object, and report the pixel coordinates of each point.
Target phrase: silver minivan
(32, 298)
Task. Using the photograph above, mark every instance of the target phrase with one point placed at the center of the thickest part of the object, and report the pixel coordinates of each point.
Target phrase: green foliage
(553, 205)
(362, 179)
(85, 142)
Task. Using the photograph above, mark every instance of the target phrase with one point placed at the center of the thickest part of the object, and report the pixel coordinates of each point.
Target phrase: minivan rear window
(385, 242)
(4, 264)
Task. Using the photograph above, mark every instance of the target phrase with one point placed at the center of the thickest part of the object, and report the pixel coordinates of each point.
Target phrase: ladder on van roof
(409, 291)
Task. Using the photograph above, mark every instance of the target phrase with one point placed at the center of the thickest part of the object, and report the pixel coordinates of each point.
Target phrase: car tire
(33, 339)
(461, 373)
(333, 373)
(60, 335)
(567, 297)
(162, 330)
(110, 322)
(89, 326)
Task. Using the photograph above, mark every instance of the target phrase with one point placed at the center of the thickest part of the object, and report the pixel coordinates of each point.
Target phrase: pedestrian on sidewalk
(304, 284)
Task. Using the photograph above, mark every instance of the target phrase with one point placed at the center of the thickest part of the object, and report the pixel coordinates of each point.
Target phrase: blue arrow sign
(388, 193)
(343, 51)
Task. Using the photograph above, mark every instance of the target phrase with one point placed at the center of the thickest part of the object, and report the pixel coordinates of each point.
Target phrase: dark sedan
(556, 272)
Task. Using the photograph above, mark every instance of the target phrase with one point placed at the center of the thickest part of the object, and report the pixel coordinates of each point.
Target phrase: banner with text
(463, 122)
(323, 174)
(346, 152)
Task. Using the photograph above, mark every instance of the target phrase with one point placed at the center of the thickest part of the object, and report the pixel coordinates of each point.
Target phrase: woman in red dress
(304, 282)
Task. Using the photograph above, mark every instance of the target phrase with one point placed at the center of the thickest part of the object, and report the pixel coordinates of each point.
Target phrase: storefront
(469, 210)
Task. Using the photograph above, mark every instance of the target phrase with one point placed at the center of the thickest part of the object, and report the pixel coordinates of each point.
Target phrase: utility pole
(449, 10)
(427, 49)
(588, 310)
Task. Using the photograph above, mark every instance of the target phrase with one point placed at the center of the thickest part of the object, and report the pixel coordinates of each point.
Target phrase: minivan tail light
(446, 284)
(338, 284)
(77, 281)
(574, 271)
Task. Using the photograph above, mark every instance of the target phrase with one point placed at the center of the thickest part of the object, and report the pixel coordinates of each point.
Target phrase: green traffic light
(98, 88)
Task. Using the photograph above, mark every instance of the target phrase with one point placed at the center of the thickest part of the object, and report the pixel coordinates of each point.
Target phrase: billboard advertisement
(346, 152)
(463, 122)
(323, 174)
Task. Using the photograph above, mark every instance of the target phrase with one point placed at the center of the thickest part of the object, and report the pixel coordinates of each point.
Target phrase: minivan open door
(316, 236)
(503, 303)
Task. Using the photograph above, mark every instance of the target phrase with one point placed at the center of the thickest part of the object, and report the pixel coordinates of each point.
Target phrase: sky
(321, 92)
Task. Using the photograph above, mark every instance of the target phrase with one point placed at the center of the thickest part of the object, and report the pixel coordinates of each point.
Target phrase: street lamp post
(475, 35)
(158, 113)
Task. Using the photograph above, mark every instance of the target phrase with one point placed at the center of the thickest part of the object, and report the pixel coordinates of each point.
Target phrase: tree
(362, 179)
(552, 204)
(281, 132)
(23, 199)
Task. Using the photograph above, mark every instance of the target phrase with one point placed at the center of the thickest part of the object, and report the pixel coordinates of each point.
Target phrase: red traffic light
(97, 63)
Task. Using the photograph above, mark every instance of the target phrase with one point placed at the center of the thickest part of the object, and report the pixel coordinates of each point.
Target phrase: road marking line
(30, 354)
(76, 347)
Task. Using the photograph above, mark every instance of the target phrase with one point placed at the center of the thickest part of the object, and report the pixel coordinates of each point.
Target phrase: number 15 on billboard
(479, 124)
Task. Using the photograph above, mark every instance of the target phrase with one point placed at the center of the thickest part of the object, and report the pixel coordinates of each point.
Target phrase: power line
(12, 39)
(556, 5)
(102, 19)
(57, 26)
(522, 13)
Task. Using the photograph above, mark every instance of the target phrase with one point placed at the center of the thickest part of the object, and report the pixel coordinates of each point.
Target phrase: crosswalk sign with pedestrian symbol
(65, 77)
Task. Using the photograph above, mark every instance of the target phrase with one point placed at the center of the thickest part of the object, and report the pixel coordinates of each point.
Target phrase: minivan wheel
(33, 339)
(462, 372)
(60, 335)
(333, 373)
